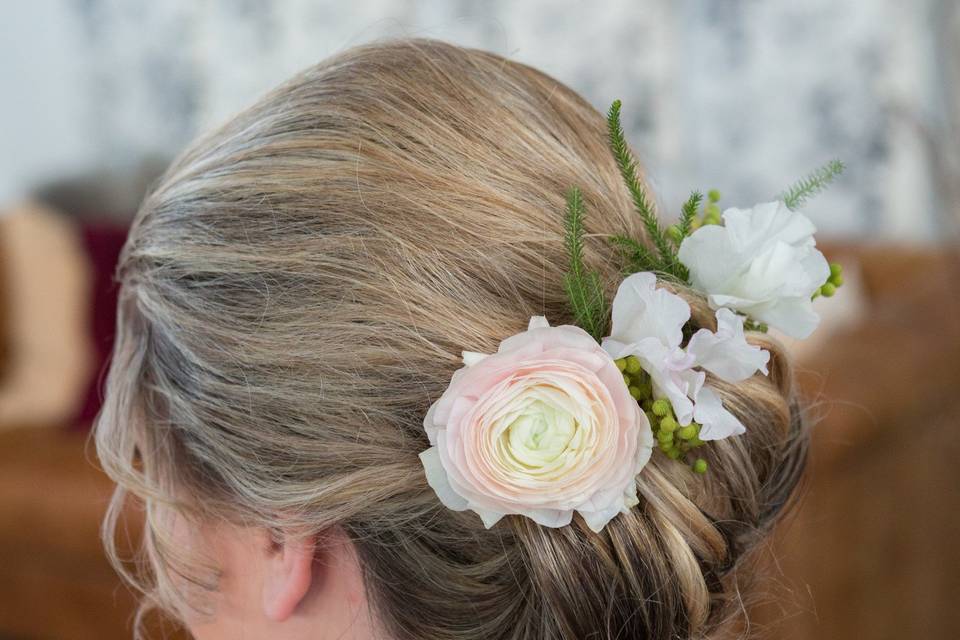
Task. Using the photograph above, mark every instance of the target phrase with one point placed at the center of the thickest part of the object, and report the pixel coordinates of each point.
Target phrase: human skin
(280, 587)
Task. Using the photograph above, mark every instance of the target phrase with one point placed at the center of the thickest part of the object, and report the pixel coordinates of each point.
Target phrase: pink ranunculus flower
(542, 428)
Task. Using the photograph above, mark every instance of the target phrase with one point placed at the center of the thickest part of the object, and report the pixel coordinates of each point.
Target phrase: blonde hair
(296, 291)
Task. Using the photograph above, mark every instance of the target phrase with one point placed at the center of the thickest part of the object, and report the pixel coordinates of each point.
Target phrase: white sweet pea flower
(762, 262)
(718, 423)
(726, 353)
(647, 322)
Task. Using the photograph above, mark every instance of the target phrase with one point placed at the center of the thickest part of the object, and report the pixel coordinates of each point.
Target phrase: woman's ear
(287, 574)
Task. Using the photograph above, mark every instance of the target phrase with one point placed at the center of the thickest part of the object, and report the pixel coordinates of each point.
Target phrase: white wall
(741, 95)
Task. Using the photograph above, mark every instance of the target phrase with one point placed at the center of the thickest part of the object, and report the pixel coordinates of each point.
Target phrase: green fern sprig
(811, 185)
(688, 214)
(637, 256)
(628, 170)
(584, 288)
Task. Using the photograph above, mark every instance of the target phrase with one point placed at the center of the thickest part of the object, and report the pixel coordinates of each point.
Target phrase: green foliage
(636, 256)
(811, 185)
(628, 170)
(689, 212)
(584, 288)
(829, 288)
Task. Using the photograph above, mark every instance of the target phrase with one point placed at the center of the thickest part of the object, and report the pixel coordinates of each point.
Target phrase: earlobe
(287, 576)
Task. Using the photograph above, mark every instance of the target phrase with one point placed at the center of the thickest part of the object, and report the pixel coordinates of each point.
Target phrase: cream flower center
(542, 432)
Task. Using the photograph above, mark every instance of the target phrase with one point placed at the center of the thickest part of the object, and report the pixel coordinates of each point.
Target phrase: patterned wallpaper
(742, 95)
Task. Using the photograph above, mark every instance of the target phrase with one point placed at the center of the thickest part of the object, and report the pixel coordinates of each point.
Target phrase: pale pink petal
(564, 370)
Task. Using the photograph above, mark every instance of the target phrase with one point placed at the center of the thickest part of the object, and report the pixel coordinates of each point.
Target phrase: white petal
(438, 481)
(644, 451)
(549, 517)
(817, 270)
(772, 273)
(710, 257)
(672, 376)
(718, 423)
(793, 316)
(641, 310)
(616, 349)
(489, 517)
(471, 358)
(758, 260)
(597, 520)
(726, 353)
(784, 270)
(753, 230)
(724, 301)
(537, 322)
(429, 425)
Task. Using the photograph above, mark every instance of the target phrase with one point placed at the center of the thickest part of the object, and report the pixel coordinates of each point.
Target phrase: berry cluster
(675, 441)
(833, 282)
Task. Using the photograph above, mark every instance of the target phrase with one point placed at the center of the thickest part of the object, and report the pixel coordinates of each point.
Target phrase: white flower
(718, 423)
(726, 352)
(762, 262)
(647, 322)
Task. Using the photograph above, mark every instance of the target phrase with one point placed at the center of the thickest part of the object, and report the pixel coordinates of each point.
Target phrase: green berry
(664, 436)
(700, 466)
(836, 280)
(713, 195)
(627, 380)
(711, 219)
(646, 389)
(635, 392)
(661, 407)
(688, 432)
(835, 270)
(633, 364)
(673, 454)
(668, 424)
(828, 290)
(621, 364)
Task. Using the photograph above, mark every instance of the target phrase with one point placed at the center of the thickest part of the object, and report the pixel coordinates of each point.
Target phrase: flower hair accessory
(562, 419)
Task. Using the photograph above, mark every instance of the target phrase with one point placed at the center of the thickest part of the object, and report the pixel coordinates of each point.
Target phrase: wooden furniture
(56, 584)
(872, 552)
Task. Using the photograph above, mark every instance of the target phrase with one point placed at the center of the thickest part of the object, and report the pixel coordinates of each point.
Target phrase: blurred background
(745, 96)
